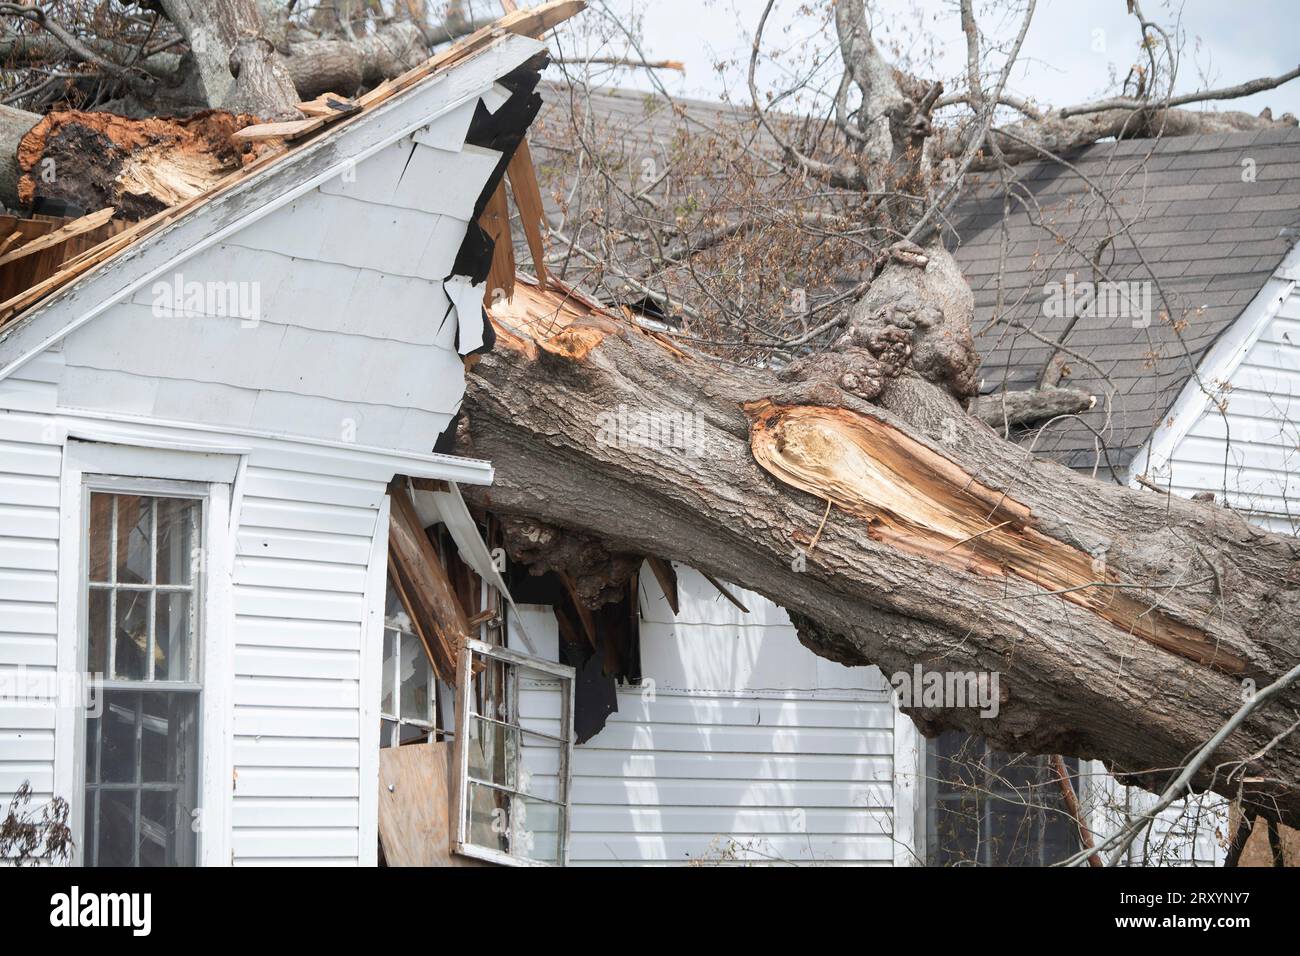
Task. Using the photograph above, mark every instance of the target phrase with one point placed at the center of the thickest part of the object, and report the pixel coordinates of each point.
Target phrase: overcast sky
(1072, 50)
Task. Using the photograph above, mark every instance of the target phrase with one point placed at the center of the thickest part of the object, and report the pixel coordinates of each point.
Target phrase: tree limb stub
(916, 500)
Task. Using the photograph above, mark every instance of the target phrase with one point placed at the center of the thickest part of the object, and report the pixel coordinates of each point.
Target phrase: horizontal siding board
(27, 521)
(303, 693)
(305, 545)
(277, 513)
(321, 489)
(290, 813)
(281, 842)
(297, 662)
(612, 848)
(297, 605)
(298, 752)
(299, 574)
(276, 721)
(295, 782)
(251, 632)
(27, 650)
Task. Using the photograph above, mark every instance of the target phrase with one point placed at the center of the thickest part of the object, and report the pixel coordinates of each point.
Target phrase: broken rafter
(528, 200)
(426, 591)
(496, 223)
(51, 239)
(666, 575)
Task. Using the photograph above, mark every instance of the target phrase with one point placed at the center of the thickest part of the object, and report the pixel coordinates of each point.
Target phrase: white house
(197, 440)
(193, 493)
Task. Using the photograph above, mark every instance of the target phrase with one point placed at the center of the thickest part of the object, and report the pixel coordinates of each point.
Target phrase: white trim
(1219, 364)
(177, 435)
(909, 791)
(134, 461)
(261, 194)
(371, 687)
(216, 635)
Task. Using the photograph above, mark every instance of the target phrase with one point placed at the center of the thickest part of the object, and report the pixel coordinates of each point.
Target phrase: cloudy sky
(1072, 51)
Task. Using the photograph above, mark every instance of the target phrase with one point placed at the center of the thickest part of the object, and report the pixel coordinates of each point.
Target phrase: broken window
(512, 781)
(989, 808)
(141, 597)
(408, 705)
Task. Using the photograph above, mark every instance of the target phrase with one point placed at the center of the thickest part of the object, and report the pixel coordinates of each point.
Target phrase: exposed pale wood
(75, 228)
(415, 825)
(288, 130)
(413, 805)
(528, 200)
(431, 598)
(918, 501)
(667, 578)
(329, 105)
(496, 223)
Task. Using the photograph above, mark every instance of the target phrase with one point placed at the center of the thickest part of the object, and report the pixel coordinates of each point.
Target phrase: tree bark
(1122, 623)
(239, 67)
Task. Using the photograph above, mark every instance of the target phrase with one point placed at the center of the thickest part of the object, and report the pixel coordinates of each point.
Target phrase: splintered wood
(558, 319)
(919, 502)
(423, 587)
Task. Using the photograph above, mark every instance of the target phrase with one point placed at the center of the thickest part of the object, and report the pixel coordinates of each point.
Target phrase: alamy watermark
(628, 427)
(944, 689)
(179, 298)
(1103, 300)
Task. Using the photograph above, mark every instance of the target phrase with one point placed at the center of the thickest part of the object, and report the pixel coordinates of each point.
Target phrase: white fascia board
(113, 428)
(1219, 364)
(259, 195)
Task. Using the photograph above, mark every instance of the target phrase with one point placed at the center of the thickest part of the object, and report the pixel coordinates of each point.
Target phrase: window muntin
(989, 808)
(513, 775)
(408, 699)
(142, 581)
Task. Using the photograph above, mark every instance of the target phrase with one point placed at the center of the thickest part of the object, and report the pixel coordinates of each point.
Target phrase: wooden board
(415, 807)
(414, 811)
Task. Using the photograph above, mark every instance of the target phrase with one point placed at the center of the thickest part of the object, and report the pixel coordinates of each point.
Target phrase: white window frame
(429, 727)
(465, 711)
(167, 471)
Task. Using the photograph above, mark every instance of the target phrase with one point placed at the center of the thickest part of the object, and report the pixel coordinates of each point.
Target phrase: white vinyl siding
(29, 543)
(740, 745)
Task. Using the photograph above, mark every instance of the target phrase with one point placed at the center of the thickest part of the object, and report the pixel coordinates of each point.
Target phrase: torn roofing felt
(501, 130)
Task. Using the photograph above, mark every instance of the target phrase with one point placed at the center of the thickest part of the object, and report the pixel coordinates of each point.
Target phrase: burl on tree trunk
(856, 492)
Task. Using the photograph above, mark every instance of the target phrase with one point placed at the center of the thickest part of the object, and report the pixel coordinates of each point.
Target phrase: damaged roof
(295, 141)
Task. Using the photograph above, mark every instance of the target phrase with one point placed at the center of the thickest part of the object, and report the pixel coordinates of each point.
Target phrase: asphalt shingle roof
(1207, 233)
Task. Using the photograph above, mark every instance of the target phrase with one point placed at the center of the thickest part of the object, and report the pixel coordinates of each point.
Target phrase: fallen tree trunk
(1123, 623)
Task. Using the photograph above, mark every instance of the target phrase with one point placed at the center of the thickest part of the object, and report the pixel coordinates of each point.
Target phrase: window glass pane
(97, 631)
(134, 537)
(177, 539)
(415, 680)
(539, 768)
(394, 613)
(116, 828)
(489, 817)
(493, 752)
(172, 629)
(116, 741)
(389, 673)
(131, 637)
(168, 738)
(412, 732)
(535, 829)
(101, 517)
(159, 828)
(387, 729)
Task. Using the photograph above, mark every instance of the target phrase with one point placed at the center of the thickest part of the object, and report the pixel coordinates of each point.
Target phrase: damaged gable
(331, 297)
